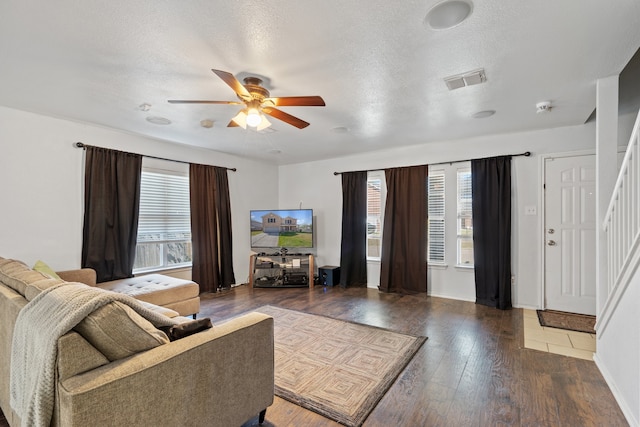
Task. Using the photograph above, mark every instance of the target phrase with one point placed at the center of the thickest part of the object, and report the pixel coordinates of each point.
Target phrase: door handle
(551, 243)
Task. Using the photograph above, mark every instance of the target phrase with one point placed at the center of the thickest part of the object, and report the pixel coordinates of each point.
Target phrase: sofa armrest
(222, 376)
(82, 275)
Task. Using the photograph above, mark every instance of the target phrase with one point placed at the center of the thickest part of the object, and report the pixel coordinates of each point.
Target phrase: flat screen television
(280, 228)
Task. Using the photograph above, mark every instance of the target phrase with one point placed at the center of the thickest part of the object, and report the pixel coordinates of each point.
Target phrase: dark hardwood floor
(472, 371)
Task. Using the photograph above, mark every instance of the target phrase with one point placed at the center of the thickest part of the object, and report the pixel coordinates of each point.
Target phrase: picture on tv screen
(282, 228)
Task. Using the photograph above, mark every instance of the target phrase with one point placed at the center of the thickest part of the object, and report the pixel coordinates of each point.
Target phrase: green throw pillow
(43, 268)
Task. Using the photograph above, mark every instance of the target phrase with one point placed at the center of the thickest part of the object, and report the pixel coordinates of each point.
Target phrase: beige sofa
(222, 376)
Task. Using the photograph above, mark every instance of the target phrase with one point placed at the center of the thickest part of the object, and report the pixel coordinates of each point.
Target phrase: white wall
(42, 177)
(618, 352)
(618, 335)
(317, 187)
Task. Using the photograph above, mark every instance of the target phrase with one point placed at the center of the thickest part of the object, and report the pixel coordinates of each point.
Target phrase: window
(164, 225)
(374, 215)
(435, 227)
(465, 220)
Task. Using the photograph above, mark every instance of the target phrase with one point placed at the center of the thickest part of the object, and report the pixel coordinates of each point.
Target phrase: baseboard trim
(628, 414)
(431, 294)
(527, 307)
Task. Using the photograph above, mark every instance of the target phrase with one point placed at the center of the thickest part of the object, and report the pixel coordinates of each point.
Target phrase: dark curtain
(353, 249)
(111, 202)
(223, 203)
(491, 211)
(403, 266)
(210, 228)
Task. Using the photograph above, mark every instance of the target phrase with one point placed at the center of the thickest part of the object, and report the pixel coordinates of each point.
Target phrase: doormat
(336, 368)
(568, 321)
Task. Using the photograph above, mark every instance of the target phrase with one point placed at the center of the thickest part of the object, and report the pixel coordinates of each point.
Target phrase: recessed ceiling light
(206, 123)
(340, 129)
(483, 114)
(158, 120)
(448, 14)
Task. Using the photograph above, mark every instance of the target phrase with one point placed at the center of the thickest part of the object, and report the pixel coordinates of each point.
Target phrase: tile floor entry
(557, 341)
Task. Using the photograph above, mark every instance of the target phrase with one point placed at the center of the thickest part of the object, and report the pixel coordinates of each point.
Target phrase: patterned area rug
(568, 321)
(336, 368)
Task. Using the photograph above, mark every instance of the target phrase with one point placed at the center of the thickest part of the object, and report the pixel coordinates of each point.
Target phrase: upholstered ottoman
(180, 295)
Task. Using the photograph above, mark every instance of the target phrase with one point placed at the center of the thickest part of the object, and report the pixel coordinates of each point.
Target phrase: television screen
(282, 228)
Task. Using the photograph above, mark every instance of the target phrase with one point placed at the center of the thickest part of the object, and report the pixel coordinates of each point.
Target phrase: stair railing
(622, 226)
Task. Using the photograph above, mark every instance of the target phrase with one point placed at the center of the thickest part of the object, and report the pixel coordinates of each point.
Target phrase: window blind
(436, 195)
(164, 208)
(465, 220)
(164, 223)
(374, 216)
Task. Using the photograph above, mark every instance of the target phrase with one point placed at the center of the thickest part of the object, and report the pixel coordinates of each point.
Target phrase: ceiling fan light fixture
(258, 102)
(264, 123)
(254, 118)
(241, 119)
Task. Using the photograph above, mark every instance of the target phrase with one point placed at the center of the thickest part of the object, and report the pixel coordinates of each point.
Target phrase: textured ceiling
(379, 68)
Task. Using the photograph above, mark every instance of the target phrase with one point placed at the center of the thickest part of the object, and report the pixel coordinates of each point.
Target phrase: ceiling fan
(257, 100)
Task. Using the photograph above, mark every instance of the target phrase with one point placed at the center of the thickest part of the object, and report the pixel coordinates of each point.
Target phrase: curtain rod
(83, 145)
(526, 154)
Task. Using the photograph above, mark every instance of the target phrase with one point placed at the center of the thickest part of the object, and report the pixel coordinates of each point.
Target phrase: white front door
(569, 234)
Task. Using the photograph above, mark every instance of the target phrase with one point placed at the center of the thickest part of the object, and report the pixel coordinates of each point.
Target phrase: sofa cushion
(76, 355)
(117, 331)
(17, 275)
(34, 288)
(43, 268)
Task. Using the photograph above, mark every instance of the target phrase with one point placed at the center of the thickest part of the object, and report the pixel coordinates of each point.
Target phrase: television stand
(280, 270)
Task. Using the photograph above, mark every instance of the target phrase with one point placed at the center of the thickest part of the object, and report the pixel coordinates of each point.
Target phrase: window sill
(160, 270)
(464, 267)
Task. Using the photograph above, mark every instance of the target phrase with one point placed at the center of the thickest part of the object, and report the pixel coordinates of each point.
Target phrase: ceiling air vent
(467, 79)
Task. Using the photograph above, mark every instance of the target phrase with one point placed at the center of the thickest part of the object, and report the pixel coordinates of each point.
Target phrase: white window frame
(163, 238)
(435, 193)
(463, 212)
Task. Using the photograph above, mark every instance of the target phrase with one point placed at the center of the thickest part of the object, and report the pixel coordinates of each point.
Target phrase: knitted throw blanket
(51, 314)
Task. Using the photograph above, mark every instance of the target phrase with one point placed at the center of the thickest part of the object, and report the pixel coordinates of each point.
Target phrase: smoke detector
(543, 107)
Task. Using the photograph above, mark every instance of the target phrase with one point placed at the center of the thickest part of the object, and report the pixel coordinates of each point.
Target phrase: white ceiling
(379, 68)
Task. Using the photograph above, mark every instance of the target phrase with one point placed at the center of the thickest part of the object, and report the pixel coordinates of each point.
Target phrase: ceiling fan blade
(285, 117)
(234, 84)
(233, 124)
(293, 101)
(183, 101)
